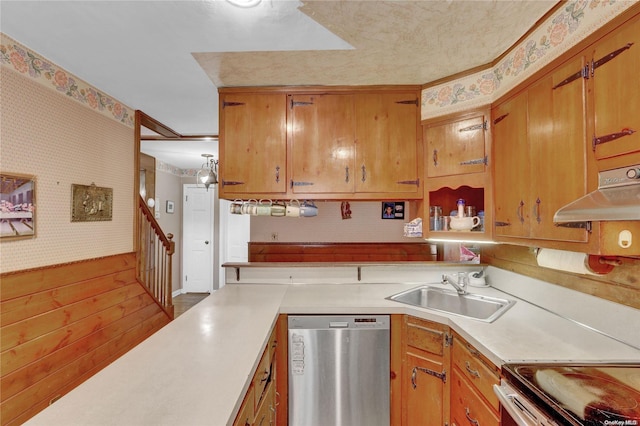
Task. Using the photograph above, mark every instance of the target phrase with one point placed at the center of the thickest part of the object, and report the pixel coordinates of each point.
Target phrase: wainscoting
(62, 324)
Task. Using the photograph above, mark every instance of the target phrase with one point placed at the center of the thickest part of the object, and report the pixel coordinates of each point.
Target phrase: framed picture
(393, 209)
(170, 207)
(17, 206)
(90, 203)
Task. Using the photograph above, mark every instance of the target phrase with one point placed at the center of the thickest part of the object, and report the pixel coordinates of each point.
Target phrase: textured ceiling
(394, 42)
(142, 52)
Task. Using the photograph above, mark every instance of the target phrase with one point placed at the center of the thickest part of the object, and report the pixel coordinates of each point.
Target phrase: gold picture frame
(90, 203)
(17, 206)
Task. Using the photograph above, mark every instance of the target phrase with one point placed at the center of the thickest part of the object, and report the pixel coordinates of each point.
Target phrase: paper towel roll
(567, 261)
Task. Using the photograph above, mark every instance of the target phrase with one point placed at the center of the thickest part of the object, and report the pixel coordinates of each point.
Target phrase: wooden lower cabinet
(473, 401)
(468, 407)
(260, 401)
(426, 360)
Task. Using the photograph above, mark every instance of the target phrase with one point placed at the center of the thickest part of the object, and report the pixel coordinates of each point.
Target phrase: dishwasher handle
(338, 324)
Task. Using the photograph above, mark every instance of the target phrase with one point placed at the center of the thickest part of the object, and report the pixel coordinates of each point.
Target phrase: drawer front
(468, 408)
(261, 377)
(476, 370)
(245, 416)
(266, 413)
(426, 335)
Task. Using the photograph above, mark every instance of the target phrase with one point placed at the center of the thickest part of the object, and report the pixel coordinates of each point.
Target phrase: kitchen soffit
(394, 42)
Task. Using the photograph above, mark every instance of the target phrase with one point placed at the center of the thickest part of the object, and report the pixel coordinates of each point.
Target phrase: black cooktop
(581, 394)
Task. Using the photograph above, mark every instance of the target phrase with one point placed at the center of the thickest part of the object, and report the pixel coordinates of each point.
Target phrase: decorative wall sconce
(208, 174)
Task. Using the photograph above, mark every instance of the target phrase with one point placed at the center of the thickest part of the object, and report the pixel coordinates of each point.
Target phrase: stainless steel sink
(470, 305)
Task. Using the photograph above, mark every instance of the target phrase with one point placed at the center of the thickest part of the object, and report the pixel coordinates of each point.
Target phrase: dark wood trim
(339, 252)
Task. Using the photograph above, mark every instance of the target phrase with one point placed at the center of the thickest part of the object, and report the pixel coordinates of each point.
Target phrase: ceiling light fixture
(208, 174)
(246, 4)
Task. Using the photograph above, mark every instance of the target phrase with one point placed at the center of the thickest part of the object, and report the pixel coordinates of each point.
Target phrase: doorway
(197, 239)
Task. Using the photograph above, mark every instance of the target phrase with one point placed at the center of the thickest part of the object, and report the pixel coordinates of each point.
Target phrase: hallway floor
(184, 302)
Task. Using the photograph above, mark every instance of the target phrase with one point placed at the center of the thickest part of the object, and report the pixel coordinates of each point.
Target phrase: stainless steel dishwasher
(339, 370)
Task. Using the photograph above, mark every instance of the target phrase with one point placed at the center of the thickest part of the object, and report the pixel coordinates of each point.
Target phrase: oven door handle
(507, 403)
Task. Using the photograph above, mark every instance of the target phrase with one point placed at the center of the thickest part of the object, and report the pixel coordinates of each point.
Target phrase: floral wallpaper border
(18, 58)
(570, 24)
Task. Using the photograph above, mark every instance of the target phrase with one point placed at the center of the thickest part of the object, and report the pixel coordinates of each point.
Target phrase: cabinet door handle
(277, 174)
(536, 210)
(346, 174)
(364, 173)
(471, 370)
(520, 211)
(442, 376)
(435, 157)
(471, 419)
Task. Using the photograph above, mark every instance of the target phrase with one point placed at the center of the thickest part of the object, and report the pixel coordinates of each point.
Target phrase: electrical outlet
(274, 236)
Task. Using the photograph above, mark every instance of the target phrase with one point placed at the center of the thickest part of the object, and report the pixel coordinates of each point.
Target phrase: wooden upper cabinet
(616, 91)
(557, 134)
(511, 167)
(253, 144)
(322, 143)
(386, 145)
(539, 154)
(456, 146)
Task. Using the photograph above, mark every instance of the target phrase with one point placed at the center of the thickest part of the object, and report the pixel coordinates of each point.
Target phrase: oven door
(516, 410)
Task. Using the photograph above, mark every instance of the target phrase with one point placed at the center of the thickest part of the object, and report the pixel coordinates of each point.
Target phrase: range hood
(617, 198)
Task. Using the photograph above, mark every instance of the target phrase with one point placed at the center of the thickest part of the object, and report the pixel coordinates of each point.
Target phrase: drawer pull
(471, 419)
(471, 370)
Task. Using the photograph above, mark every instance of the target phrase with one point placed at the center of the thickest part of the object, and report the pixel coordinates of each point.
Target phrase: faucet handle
(463, 279)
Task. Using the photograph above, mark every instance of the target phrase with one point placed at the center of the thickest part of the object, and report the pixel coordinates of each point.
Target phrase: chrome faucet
(460, 286)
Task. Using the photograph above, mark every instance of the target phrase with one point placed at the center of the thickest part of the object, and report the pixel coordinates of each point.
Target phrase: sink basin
(470, 305)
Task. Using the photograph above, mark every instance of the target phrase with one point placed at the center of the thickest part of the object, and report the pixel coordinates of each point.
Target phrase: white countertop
(196, 370)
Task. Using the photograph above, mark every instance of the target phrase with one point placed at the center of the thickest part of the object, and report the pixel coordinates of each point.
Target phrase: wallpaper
(561, 31)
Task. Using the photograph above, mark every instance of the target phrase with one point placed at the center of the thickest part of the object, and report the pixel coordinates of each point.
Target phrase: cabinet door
(386, 148)
(456, 147)
(423, 393)
(557, 134)
(253, 144)
(616, 91)
(511, 167)
(322, 143)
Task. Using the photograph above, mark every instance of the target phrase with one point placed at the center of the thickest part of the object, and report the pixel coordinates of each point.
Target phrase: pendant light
(208, 174)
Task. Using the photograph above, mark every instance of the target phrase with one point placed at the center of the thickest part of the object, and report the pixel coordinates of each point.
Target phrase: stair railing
(155, 250)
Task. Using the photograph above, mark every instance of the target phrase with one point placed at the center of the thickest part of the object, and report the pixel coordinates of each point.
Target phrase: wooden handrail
(154, 257)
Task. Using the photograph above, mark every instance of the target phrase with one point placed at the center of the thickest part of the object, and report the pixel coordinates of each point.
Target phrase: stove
(571, 394)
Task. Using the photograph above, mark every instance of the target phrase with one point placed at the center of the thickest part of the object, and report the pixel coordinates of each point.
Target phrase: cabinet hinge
(484, 161)
(414, 375)
(229, 104)
(480, 126)
(607, 58)
(410, 182)
(415, 102)
(580, 225)
(299, 103)
(499, 119)
(448, 340)
(294, 183)
(583, 73)
(608, 138)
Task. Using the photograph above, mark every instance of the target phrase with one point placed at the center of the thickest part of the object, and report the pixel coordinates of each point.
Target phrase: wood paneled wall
(340, 252)
(622, 285)
(62, 324)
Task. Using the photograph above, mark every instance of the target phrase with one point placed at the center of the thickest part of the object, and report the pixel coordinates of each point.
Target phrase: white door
(234, 238)
(197, 237)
